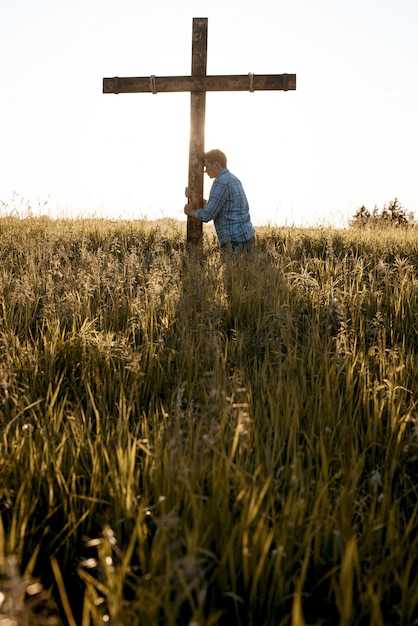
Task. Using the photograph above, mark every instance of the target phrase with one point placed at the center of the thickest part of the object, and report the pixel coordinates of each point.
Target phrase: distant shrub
(392, 215)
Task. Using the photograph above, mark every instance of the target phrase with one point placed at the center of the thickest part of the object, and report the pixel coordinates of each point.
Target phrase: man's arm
(188, 208)
(213, 206)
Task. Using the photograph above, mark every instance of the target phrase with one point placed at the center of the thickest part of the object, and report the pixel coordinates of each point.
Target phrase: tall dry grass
(190, 438)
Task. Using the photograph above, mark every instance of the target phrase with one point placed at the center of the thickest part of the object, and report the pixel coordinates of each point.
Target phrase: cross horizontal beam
(245, 82)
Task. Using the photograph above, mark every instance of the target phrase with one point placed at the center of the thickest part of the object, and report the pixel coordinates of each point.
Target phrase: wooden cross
(198, 84)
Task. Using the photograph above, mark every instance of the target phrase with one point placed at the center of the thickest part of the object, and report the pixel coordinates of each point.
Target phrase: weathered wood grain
(260, 82)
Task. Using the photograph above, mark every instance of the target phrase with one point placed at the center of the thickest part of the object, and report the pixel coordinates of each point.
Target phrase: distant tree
(375, 215)
(392, 214)
(398, 215)
(384, 218)
(361, 217)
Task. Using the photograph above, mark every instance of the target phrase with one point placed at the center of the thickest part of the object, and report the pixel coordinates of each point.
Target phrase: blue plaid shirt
(228, 208)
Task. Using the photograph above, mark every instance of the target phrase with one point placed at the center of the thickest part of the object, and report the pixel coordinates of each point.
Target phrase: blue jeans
(245, 246)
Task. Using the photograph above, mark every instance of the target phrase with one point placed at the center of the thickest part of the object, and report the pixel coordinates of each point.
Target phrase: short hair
(215, 156)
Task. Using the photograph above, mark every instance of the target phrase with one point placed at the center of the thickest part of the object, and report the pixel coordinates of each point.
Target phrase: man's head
(214, 161)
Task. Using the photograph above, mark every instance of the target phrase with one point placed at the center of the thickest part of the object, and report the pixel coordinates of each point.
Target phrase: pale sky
(347, 136)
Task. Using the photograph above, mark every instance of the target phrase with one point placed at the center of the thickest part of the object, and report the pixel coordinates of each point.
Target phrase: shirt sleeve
(217, 200)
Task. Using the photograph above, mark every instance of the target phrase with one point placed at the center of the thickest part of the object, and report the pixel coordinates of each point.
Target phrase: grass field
(190, 439)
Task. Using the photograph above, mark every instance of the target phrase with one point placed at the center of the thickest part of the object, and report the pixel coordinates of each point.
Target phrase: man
(227, 205)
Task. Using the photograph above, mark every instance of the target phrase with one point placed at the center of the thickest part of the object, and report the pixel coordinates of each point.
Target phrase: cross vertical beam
(197, 127)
